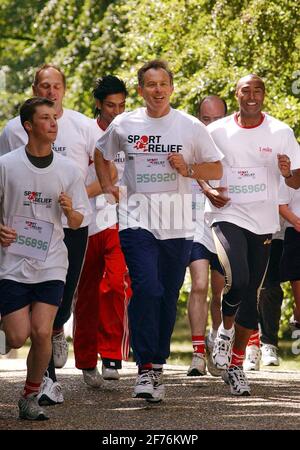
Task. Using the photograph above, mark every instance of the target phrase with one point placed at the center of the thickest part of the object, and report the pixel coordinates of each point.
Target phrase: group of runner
(50, 204)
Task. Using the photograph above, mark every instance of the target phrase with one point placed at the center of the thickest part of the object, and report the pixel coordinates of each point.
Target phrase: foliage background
(208, 43)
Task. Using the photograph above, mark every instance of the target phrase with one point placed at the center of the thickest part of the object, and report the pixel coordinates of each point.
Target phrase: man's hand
(7, 236)
(66, 203)
(178, 163)
(284, 165)
(217, 196)
(112, 194)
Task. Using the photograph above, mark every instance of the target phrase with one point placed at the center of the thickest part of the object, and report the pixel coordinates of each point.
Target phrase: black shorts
(15, 295)
(199, 251)
(290, 261)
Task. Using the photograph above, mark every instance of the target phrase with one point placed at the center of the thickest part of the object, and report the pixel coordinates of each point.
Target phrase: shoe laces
(238, 376)
(145, 378)
(223, 344)
(157, 377)
(271, 351)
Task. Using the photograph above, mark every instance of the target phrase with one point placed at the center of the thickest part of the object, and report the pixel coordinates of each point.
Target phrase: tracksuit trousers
(157, 269)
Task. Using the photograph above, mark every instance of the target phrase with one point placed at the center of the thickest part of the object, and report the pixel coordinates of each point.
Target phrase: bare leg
(42, 318)
(197, 303)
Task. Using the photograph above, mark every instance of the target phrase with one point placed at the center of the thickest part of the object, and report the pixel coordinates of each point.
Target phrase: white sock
(228, 333)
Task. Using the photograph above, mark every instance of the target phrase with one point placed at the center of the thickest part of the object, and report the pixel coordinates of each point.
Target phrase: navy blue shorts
(15, 296)
(199, 251)
(290, 261)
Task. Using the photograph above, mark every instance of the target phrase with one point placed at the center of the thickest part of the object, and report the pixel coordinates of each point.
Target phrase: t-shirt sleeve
(80, 200)
(285, 193)
(292, 150)
(4, 143)
(205, 148)
(109, 143)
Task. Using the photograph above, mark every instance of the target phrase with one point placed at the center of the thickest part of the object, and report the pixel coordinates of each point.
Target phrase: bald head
(251, 78)
(211, 108)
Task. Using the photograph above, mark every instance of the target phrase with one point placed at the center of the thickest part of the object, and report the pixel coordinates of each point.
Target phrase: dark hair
(48, 66)
(211, 97)
(155, 64)
(108, 85)
(28, 108)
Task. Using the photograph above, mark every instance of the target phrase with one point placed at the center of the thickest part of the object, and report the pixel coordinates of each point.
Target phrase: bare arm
(215, 195)
(205, 171)
(288, 215)
(94, 188)
(104, 175)
(292, 177)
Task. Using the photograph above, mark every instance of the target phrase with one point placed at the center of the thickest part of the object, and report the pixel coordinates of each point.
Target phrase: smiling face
(250, 94)
(111, 106)
(156, 90)
(50, 85)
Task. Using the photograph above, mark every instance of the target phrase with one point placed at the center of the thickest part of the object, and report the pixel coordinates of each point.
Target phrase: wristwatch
(190, 171)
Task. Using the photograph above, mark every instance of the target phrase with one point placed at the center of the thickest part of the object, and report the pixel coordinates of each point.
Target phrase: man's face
(156, 91)
(50, 85)
(111, 106)
(250, 95)
(211, 110)
(44, 124)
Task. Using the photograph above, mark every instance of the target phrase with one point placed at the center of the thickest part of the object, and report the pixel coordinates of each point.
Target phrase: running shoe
(29, 409)
(252, 359)
(237, 380)
(198, 365)
(60, 348)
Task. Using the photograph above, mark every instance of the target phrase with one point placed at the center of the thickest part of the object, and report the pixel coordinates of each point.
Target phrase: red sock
(254, 339)
(198, 344)
(145, 367)
(237, 357)
(31, 388)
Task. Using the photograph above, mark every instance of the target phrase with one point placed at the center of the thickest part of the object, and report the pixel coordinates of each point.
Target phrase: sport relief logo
(155, 162)
(151, 143)
(245, 174)
(29, 225)
(36, 198)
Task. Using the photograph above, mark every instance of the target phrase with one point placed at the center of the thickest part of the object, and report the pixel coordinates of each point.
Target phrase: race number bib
(246, 185)
(198, 201)
(33, 237)
(153, 173)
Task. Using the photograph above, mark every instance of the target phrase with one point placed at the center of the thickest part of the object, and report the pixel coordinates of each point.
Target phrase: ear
(98, 104)
(28, 126)
(140, 90)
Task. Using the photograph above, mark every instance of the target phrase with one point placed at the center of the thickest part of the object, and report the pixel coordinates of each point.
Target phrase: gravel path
(202, 403)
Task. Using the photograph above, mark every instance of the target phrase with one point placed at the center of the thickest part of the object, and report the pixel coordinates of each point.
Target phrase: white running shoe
(29, 409)
(50, 393)
(198, 365)
(269, 355)
(252, 360)
(109, 373)
(212, 369)
(60, 348)
(159, 390)
(221, 355)
(237, 380)
(144, 385)
(92, 378)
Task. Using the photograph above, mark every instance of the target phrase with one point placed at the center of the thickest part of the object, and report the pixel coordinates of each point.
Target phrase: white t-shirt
(291, 197)
(75, 139)
(157, 198)
(31, 192)
(251, 171)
